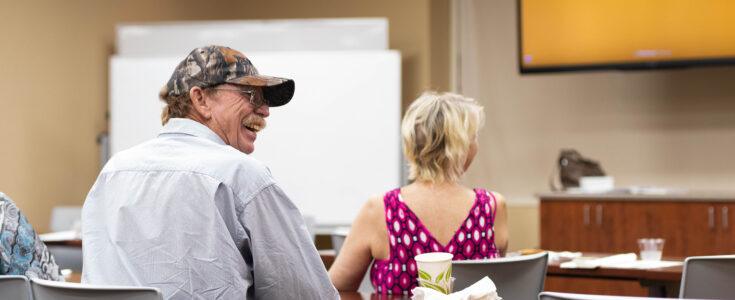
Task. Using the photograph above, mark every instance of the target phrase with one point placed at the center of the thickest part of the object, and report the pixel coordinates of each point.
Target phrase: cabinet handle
(711, 217)
(586, 214)
(725, 217)
(599, 214)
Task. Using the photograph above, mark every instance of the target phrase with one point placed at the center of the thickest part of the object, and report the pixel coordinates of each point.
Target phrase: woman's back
(420, 219)
(440, 208)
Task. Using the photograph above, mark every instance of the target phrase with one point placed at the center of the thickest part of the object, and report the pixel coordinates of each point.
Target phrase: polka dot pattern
(475, 239)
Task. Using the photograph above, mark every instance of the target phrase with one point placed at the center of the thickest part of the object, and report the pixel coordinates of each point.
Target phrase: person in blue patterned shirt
(21, 251)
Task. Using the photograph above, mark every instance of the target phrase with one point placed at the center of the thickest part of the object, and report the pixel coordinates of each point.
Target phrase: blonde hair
(437, 131)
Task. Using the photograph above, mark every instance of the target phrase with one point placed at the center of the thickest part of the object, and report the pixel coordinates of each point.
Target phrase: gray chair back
(55, 290)
(570, 296)
(338, 238)
(15, 287)
(67, 257)
(708, 277)
(517, 278)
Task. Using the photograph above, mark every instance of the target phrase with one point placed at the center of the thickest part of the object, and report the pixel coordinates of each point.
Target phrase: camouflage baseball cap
(212, 65)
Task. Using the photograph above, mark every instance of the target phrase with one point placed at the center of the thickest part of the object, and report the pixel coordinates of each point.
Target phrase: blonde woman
(435, 213)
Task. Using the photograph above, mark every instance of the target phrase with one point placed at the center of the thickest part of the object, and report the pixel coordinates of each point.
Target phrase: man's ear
(201, 107)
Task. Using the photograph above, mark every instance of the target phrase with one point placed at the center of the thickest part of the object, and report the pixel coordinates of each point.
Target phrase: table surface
(668, 274)
(656, 274)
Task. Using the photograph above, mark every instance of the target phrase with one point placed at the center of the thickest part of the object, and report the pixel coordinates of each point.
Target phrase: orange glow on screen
(581, 32)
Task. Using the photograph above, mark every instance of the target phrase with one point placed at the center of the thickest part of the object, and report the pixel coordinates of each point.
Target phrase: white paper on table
(484, 289)
(561, 257)
(607, 262)
(647, 264)
(59, 236)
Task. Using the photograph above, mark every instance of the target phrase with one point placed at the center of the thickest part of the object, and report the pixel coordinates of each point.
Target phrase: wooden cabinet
(588, 226)
(692, 225)
(609, 224)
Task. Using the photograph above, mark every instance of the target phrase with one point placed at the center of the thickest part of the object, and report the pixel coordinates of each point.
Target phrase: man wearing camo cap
(190, 212)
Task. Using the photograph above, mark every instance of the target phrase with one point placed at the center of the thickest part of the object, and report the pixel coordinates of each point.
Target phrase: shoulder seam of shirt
(260, 191)
(243, 204)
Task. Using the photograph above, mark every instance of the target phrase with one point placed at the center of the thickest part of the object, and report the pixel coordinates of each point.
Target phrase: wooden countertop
(643, 195)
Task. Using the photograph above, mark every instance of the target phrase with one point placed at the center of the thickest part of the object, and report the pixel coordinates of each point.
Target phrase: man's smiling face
(238, 114)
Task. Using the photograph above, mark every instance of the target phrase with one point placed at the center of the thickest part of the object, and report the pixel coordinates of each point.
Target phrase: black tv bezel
(649, 65)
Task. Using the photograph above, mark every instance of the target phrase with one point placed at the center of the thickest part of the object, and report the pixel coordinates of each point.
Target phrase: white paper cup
(435, 271)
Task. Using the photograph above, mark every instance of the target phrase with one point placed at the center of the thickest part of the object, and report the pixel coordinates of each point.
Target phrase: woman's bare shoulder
(498, 197)
(370, 222)
(374, 206)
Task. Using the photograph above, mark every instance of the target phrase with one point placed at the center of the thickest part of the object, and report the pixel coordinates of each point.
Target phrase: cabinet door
(587, 226)
(563, 224)
(635, 217)
(700, 229)
(667, 220)
(725, 234)
(606, 219)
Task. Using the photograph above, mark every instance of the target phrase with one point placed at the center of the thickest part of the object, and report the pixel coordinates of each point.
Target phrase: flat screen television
(566, 35)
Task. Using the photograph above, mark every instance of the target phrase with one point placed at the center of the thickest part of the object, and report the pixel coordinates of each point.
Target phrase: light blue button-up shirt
(198, 219)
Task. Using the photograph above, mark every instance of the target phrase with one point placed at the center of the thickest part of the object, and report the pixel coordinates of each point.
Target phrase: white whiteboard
(336, 144)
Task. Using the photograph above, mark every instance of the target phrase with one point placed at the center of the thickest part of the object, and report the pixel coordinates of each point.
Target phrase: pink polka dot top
(475, 239)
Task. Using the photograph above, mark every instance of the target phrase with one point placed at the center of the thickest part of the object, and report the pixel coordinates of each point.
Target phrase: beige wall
(673, 128)
(54, 77)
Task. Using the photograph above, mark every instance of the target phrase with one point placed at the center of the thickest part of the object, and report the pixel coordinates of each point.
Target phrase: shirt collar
(190, 127)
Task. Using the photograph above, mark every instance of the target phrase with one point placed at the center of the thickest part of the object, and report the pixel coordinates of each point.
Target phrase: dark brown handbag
(572, 166)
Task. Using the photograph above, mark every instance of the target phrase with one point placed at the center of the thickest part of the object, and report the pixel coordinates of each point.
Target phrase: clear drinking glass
(651, 248)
